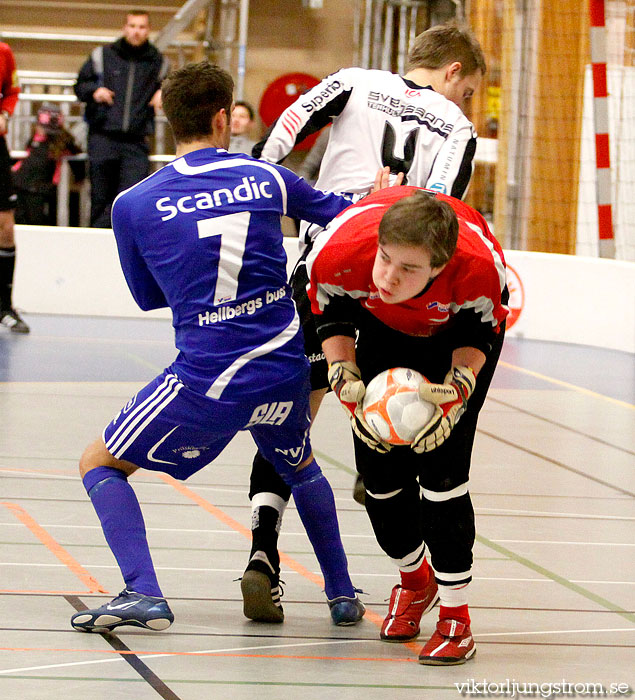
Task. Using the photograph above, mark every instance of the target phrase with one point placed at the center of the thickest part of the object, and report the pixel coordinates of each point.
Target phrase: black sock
(264, 531)
(7, 266)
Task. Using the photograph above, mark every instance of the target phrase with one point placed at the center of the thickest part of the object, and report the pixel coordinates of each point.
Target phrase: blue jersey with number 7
(202, 236)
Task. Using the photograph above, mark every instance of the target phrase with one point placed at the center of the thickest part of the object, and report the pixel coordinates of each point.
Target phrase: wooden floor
(552, 482)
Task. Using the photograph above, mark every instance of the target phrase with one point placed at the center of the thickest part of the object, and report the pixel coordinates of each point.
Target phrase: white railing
(35, 89)
(65, 182)
(80, 38)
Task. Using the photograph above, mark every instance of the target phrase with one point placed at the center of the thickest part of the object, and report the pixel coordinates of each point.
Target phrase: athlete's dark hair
(423, 221)
(247, 106)
(446, 43)
(192, 96)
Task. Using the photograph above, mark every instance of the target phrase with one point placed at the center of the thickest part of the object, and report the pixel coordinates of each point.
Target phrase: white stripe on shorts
(130, 418)
(142, 415)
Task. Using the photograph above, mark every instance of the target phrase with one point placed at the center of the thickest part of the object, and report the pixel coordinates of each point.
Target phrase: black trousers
(431, 502)
(36, 208)
(115, 165)
(7, 192)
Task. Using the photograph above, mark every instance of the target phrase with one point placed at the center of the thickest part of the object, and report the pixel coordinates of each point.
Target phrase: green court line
(141, 360)
(607, 604)
(335, 463)
(175, 681)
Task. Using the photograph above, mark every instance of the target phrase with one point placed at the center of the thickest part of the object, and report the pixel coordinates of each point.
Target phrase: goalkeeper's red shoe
(451, 644)
(405, 610)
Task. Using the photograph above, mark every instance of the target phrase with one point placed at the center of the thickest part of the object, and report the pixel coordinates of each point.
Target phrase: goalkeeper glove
(451, 400)
(346, 381)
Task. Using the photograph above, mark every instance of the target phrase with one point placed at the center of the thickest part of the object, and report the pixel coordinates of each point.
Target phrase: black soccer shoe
(9, 318)
(260, 587)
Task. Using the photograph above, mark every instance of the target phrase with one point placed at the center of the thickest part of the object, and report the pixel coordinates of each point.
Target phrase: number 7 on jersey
(232, 228)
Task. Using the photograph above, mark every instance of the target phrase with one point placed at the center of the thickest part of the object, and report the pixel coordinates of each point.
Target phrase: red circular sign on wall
(281, 93)
(516, 296)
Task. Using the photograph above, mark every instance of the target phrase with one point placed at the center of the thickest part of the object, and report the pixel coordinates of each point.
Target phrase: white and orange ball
(392, 406)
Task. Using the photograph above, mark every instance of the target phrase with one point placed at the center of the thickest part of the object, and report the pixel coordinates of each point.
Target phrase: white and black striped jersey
(379, 118)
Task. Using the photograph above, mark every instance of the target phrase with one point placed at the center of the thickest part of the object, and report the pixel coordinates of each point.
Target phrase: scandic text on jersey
(247, 191)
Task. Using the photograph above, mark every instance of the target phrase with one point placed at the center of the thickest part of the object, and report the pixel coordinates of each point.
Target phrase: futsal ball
(392, 406)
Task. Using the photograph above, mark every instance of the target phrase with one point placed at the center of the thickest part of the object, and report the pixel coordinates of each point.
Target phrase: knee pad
(397, 524)
(99, 474)
(449, 533)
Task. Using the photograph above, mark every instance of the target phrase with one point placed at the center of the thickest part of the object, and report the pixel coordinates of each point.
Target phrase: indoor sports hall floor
(554, 575)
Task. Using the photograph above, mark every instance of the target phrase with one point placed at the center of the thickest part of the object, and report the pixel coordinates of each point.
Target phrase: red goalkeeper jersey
(9, 89)
(465, 296)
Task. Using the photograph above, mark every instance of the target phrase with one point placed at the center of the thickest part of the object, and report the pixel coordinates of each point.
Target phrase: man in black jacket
(120, 84)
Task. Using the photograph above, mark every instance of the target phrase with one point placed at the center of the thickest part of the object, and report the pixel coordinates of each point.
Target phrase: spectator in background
(8, 98)
(120, 84)
(242, 122)
(35, 178)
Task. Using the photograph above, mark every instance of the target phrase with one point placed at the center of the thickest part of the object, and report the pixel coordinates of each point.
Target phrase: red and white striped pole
(601, 127)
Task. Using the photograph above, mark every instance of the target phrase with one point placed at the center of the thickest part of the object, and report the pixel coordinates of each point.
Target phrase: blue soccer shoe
(128, 608)
(346, 611)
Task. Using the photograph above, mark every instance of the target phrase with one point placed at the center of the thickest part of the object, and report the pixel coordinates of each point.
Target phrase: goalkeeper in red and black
(419, 280)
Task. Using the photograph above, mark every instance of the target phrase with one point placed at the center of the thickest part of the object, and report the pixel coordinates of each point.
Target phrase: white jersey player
(412, 124)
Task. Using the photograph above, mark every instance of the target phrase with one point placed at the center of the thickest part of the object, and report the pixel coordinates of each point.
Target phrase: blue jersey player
(202, 236)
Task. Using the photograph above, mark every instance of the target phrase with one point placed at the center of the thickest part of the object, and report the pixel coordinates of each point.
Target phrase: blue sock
(122, 522)
(316, 507)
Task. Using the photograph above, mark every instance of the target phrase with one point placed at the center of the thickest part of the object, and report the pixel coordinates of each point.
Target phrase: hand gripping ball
(392, 406)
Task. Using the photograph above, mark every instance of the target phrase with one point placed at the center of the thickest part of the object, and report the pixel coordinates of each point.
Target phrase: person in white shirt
(412, 124)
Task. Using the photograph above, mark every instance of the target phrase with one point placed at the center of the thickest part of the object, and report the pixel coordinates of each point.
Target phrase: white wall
(569, 299)
(574, 299)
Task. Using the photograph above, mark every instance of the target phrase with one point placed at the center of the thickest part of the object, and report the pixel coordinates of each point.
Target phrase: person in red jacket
(9, 91)
(419, 280)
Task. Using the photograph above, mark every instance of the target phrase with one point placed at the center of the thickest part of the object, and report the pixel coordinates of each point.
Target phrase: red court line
(238, 527)
(284, 558)
(56, 548)
(66, 472)
(8, 590)
(130, 652)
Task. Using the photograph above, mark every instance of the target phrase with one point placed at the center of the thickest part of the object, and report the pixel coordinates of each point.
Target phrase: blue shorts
(169, 428)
